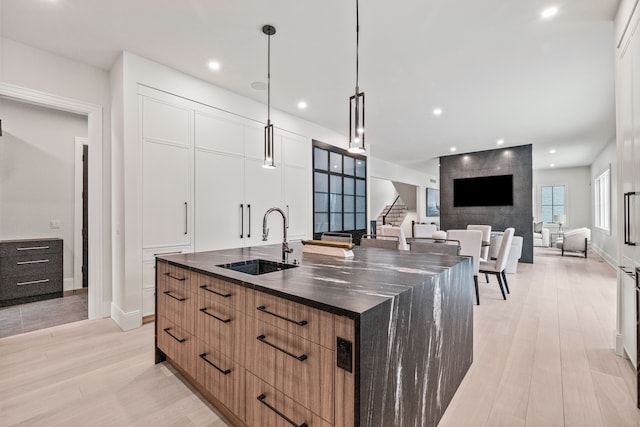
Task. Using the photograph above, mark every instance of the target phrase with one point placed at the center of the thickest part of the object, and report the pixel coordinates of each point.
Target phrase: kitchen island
(381, 339)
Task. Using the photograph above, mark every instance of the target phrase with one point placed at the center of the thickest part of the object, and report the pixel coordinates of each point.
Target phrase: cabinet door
(263, 190)
(296, 194)
(214, 131)
(166, 201)
(219, 193)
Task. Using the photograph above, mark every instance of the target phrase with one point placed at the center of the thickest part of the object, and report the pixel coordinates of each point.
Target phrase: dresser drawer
(30, 285)
(298, 319)
(220, 326)
(176, 277)
(31, 247)
(176, 304)
(38, 264)
(221, 377)
(176, 343)
(299, 368)
(267, 407)
(220, 291)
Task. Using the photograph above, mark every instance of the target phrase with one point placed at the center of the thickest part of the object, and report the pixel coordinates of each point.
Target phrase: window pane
(558, 195)
(336, 184)
(361, 187)
(349, 221)
(558, 210)
(361, 204)
(336, 222)
(360, 168)
(321, 222)
(547, 215)
(547, 198)
(349, 165)
(349, 204)
(349, 186)
(321, 182)
(321, 202)
(320, 158)
(336, 203)
(361, 220)
(336, 162)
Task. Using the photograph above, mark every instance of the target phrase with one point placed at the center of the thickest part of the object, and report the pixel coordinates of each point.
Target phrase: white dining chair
(497, 266)
(486, 237)
(424, 230)
(470, 245)
(399, 233)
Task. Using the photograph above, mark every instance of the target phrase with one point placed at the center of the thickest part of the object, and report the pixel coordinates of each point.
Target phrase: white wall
(36, 69)
(578, 190)
(606, 244)
(381, 193)
(37, 175)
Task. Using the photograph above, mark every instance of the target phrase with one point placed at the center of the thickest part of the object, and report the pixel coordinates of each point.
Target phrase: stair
(395, 217)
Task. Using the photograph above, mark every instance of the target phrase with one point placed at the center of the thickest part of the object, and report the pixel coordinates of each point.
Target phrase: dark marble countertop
(346, 287)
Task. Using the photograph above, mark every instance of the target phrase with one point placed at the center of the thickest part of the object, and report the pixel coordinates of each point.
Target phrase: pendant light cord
(357, 42)
(269, 80)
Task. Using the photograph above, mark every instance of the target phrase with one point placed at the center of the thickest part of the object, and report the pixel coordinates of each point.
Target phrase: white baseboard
(68, 284)
(619, 339)
(126, 321)
(605, 256)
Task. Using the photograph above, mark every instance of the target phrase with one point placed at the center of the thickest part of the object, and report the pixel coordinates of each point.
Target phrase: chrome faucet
(286, 250)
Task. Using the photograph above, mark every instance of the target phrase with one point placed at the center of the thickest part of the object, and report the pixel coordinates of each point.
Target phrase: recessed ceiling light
(302, 105)
(500, 142)
(259, 85)
(437, 112)
(552, 151)
(549, 12)
(214, 65)
(452, 149)
(552, 165)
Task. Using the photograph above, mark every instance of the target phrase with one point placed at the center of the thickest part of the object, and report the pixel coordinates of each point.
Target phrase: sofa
(541, 236)
(576, 240)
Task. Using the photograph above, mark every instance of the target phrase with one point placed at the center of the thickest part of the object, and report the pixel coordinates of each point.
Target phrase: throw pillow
(537, 227)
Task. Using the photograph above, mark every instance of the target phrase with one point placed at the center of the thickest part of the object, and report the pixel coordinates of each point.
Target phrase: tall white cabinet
(628, 143)
(204, 187)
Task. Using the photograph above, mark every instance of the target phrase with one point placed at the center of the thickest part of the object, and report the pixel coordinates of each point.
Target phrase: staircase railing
(384, 217)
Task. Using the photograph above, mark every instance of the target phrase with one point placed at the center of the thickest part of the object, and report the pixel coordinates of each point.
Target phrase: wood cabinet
(30, 270)
(266, 360)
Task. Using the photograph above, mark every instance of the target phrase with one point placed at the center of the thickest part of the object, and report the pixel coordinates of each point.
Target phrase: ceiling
(496, 68)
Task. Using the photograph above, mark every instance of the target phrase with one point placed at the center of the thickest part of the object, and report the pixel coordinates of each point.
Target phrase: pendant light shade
(269, 155)
(356, 105)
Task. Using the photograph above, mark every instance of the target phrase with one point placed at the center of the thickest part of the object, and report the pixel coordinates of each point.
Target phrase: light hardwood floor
(544, 357)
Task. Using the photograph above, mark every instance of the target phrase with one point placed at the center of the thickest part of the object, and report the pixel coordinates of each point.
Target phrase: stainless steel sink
(257, 266)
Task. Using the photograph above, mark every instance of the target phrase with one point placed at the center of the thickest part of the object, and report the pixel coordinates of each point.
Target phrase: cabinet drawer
(268, 407)
(221, 327)
(30, 285)
(27, 264)
(300, 369)
(176, 305)
(31, 247)
(176, 343)
(298, 319)
(176, 277)
(220, 291)
(221, 377)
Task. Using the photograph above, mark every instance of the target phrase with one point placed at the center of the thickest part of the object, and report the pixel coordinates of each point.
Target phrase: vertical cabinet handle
(186, 217)
(627, 217)
(249, 222)
(288, 218)
(262, 398)
(241, 220)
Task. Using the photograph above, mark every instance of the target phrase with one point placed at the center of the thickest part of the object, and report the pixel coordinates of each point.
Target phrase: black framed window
(339, 191)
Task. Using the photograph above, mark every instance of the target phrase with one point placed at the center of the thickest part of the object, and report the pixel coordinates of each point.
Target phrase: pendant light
(269, 161)
(356, 105)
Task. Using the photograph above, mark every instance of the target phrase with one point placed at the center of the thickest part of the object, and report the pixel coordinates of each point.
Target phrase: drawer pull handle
(203, 356)
(263, 339)
(173, 336)
(38, 261)
(168, 293)
(204, 310)
(167, 253)
(214, 292)
(33, 282)
(263, 309)
(33, 248)
(262, 398)
(182, 279)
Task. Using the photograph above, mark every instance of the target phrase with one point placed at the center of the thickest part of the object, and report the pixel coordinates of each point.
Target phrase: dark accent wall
(512, 160)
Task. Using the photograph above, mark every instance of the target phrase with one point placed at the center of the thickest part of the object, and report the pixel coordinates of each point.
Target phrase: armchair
(541, 237)
(576, 240)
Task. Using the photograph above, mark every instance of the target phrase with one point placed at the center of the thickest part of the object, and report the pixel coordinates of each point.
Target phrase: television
(494, 190)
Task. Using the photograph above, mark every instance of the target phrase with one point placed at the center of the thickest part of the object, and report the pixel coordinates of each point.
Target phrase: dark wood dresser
(30, 270)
